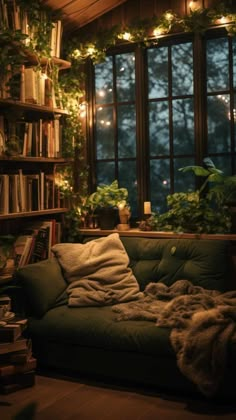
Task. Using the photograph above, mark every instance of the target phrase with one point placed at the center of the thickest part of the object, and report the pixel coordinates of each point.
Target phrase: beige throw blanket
(202, 322)
(98, 272)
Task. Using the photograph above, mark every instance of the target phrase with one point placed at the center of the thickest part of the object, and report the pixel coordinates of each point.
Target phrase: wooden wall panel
(134, 10)
(117, 16)
(131, 11)
(147, 9)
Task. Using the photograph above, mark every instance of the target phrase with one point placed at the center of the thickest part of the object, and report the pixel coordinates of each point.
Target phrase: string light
(82, 110)
(126, 36)
(194, 5)
(164, 25)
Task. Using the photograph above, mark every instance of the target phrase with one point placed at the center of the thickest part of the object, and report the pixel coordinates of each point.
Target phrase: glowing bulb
(169, 16)
(194, 5)
(76, 53)
(91, 50)
(223, 20)
(157, 31)
(101, 93)
(127, 36)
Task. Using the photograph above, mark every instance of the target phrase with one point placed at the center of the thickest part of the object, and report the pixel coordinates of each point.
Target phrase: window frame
(200, 106)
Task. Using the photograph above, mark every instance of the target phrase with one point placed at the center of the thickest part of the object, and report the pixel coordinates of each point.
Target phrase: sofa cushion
(204, 262)
(98, 272)
(43, 285)
(97, 327)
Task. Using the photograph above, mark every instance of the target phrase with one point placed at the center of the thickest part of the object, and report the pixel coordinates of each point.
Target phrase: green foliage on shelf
(205, 210)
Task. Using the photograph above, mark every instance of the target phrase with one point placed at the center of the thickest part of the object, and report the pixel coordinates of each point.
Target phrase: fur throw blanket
(202, 322)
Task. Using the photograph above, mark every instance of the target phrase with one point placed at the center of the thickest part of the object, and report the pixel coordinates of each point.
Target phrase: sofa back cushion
(203, 262)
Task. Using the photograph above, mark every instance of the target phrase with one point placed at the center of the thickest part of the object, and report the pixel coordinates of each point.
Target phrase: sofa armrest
(43, 284)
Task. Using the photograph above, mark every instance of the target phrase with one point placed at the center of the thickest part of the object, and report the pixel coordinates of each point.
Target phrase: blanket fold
(202, 322)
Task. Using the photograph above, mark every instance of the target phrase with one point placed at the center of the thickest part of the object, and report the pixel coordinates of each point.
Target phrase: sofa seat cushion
(97, 328)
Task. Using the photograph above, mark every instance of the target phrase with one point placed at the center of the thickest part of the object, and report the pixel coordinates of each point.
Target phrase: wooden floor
(63, 399)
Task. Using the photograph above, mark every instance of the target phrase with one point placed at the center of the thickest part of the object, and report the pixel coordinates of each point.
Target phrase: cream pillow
(98, 272)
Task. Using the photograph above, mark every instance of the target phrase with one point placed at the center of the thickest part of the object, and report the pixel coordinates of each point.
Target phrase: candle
(147, 207)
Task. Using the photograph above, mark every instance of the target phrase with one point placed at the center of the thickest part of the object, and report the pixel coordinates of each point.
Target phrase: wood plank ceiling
(78, 13)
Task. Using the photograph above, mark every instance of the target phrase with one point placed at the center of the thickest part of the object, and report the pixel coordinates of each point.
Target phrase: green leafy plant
(108, 196)
(205, 210)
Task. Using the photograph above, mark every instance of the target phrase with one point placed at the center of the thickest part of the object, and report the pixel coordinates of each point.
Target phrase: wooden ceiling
(78, 13)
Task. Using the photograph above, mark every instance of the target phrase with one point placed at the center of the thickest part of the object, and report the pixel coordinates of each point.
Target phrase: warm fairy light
(76, 53)
(91, 50)
(82, 110)
(158, 31)
(101, 93)
(127, 36)
(169, 16)
(223, 19)
(194, 5)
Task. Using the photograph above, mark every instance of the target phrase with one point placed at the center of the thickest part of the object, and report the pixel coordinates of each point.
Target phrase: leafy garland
(146, 32)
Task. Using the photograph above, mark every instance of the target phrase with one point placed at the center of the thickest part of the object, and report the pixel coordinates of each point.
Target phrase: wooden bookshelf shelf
(30, 107)
(33, 159)
(35, 213)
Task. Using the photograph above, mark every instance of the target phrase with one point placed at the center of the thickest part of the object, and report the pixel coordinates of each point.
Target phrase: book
(9, 333)
(41, 245)
(13, 369)
(30, 81)
(4, 194)
(14, 193)
(18, 356)
(12, 329)
(15, 378)
(9, 347)
(22, 247)
(20, 381)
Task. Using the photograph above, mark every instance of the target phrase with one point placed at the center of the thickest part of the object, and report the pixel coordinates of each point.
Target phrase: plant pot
(108, 218)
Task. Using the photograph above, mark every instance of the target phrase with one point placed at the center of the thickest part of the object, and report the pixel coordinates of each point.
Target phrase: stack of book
(17, 365)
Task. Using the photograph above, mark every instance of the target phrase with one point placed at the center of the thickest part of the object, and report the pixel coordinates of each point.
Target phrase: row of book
(34, 86)
(36, 241)
(28, 192)
(42, 138)
(15, 18)
(17, 364)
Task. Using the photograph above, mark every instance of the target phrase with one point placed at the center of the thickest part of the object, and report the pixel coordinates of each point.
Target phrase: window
(115, 127)
(158, 109)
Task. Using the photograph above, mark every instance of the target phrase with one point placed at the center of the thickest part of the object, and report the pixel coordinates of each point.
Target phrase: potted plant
(106, 201)
(205, 210)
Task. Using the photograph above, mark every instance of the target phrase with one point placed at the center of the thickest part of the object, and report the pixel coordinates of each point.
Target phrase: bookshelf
(31, 120)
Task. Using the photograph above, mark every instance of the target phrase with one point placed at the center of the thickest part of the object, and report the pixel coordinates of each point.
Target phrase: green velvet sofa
(90, 341)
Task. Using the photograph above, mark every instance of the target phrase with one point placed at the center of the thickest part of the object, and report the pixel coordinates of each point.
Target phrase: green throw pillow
(42, 283)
